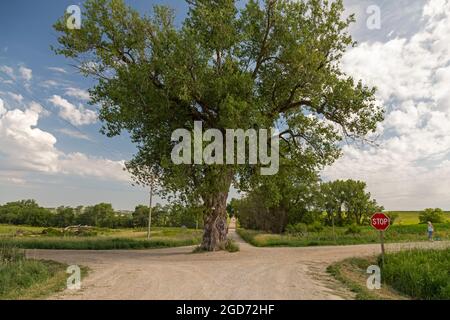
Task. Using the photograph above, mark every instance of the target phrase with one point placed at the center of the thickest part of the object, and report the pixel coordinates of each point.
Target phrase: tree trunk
(215, 229)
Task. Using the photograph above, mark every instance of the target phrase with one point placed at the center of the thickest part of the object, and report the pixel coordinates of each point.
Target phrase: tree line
(279, 203)
(103, 215)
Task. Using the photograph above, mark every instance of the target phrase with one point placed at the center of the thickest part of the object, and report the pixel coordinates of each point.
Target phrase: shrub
(432, 215)
(231, 246)
(52, 232)
(353, 229)
(299, 229)
(316, 226)
(11, 254)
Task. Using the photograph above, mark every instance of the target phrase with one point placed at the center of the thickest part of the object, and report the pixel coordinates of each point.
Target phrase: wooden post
(150, 211)
(382, 246)
(334, 232)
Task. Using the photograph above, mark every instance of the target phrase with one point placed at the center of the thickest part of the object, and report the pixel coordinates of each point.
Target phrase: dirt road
(176, 273)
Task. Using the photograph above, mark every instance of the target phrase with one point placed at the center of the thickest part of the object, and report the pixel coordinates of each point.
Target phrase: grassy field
(104, 239)
(421, 274)
(352, 273)
(22, 278)
(409, 274)
(412, 217)
(396, 233)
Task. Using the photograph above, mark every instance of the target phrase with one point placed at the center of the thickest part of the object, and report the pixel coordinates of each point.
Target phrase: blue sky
(51, 149)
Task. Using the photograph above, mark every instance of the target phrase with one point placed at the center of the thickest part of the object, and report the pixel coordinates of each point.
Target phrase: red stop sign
(380, 221)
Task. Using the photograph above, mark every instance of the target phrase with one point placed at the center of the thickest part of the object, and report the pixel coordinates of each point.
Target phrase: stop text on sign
(380, 221)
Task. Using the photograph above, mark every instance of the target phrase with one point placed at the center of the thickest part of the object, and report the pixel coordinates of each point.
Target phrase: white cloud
(49, 83)
(24, 147)
(81, 164)
(23, 144)
(16, 97)
(57, 69)
(8, 70)
(2, 107)
(410, 169)
(26, 73)
(75, 115)
(78, 93)
(74, 134)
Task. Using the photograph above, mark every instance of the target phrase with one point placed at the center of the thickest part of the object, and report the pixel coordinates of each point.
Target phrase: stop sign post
(381, 222)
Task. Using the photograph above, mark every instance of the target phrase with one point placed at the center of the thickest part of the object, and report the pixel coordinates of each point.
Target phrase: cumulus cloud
(23, 144)
(8, 70)
(75, 115)
(24, 147)
(77, 93)
(409, 170)
(2, 107)
(26, 73)
(16, 97)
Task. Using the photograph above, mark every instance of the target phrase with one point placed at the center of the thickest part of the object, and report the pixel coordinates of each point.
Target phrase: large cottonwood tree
(270, 62)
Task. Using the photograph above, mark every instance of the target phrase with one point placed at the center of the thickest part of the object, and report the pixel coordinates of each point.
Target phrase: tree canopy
(270, 63)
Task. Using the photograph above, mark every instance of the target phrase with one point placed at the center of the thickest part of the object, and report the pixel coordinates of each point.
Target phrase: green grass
(106, 239)
(22, 278)
(421, 274)
(412, 217)
(409, 274)
(396, 233)
(352, 273)
(229, 245)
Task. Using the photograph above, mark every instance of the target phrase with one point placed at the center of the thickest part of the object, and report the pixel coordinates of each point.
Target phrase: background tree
(64, 217)
(433, 215)
(269, 63)
(358, 204)
(287, 198)
(140, 216)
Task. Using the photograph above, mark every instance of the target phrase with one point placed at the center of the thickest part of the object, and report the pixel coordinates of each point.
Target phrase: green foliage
(52, 232)
(353, 229)
(346, 202)
(299, 229)
(421, 274)
(231, 246)
(278, 201)
(293, 197)
(432, 215)
(228, 67)
(21, 278)
(28, 212)
(106, 239)
(352, 272)
(25, 212)
(173, 215)
(316, 226)
(100, 243)
(366, 234)
(10, 254)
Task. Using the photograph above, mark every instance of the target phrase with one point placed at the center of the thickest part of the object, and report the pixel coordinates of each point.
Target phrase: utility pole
(150, 208)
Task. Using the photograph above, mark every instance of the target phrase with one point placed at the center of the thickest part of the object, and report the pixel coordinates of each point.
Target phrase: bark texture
(215, 223)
